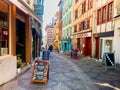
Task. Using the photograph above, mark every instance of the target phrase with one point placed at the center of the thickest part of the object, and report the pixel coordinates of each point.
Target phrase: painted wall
(116, 46)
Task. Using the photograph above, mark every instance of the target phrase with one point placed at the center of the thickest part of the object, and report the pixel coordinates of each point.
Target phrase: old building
(39, 8)
(58, 27)
(82, 26)
(66, 26)
(15, 36)
(50, 35)
(116, 39)
(103, 32)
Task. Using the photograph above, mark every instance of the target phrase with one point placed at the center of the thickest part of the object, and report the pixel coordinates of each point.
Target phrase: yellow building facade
(56, 35)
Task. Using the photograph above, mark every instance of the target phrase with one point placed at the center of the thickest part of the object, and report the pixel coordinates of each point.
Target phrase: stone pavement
(105, 80)
(63, 75)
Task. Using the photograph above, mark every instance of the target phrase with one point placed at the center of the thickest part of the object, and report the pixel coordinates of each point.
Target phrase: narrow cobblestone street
(105, 80)
(64, 75)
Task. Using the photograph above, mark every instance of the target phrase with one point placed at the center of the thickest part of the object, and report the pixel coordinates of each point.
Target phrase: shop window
(108, 45)
(4, 30)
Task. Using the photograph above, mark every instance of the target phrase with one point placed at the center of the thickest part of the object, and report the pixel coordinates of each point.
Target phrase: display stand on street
(109, 60)
(40, 71)
(74, 53)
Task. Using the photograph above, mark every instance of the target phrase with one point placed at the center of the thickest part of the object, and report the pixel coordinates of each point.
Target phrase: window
(4, 30)
(90, 4)
(83, 7)
(84, 25)
(88, 23)
(76, 14)
(110, 8)
(75, 28)
(80, 26)
(108, 46)
(76, 1)
(99, 16)
(104, 14)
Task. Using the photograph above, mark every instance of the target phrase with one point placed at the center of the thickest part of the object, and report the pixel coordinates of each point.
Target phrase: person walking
(50, 48)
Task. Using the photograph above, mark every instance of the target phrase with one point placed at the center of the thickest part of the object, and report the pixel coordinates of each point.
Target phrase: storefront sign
(81, 35)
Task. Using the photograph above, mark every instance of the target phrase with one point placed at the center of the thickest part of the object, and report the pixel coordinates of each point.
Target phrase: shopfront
(103, 43)
(4, 28)
(83, 43)
(66, 45)
(106, 45)
(7, 61)
(15, 36)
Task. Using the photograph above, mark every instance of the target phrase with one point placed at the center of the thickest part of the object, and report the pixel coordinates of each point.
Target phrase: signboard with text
(109, 60)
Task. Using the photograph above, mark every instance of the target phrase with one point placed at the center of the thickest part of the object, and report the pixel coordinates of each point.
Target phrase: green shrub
(19, 64)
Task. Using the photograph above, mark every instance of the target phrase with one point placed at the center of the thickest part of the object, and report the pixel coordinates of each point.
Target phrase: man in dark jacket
(50, 48)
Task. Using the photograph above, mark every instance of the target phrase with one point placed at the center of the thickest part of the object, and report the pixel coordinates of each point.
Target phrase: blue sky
(50, 8)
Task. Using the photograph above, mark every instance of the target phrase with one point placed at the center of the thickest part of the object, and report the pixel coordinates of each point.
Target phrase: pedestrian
(50, 48)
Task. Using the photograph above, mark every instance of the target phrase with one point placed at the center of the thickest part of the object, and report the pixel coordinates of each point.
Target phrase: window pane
(108, 46)
(110, 11)
(104, 14)
(4, 33)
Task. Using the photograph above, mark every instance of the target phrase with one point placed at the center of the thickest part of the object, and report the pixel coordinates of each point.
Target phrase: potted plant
(19, 64)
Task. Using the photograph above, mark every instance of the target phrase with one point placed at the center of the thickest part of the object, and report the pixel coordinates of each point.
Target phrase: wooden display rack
(46, 69)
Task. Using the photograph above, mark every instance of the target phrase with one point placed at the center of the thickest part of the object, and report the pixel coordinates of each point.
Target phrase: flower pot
(18, 70)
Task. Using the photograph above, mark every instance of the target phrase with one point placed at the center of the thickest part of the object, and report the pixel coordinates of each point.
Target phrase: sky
(50, 8)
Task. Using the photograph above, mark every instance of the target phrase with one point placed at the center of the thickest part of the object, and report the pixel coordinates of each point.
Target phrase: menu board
(109, 60)
(40, 71)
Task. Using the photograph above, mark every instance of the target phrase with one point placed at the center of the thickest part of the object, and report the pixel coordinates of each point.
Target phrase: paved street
(64, 75)
(105, 80)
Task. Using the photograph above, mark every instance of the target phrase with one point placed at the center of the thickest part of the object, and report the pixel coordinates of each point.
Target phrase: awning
(25, 8)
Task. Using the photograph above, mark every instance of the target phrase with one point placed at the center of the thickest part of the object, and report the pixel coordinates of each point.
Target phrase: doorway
(20, 39)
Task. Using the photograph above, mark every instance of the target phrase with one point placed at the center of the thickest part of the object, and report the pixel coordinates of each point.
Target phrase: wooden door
(97, 48)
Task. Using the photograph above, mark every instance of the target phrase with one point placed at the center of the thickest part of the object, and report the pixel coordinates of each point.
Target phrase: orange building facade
(82, 26)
